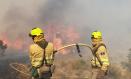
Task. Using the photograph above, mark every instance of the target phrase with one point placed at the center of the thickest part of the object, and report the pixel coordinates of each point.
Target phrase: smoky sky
(112, 17)
(54, 10)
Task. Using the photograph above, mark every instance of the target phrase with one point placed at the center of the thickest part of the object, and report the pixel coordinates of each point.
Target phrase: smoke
(18, 20)
(67, 19)
(54, 11)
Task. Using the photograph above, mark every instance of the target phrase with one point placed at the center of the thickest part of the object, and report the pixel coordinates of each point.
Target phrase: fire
(61, 35)
(58, 43)
(71, 34)
(16, 44)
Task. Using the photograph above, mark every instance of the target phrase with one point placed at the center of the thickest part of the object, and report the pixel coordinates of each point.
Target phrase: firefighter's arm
(30, 53)
(54, 51)
(36, 56)
(102, 55)
(50, 54)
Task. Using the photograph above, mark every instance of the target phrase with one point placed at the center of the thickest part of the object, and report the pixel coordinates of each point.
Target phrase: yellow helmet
(96, 35)
(36, 32)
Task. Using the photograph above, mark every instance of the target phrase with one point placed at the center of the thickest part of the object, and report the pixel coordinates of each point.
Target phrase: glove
(55, 51)
(34, 72)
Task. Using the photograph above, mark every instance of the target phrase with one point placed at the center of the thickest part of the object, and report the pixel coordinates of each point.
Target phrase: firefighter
(100, 61)
(3, 47)
(41, 55)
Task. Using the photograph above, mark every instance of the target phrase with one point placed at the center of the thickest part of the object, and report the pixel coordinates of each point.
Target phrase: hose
(70, 45)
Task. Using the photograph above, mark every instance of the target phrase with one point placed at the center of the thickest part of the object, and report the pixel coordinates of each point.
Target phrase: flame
(61, 35)
(16, 44)
(71, 34)
(58, 43)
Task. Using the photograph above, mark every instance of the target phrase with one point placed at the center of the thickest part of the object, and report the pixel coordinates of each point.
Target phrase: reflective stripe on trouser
(96, 74)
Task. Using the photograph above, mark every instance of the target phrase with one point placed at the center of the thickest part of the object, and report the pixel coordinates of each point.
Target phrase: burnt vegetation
(65, 69)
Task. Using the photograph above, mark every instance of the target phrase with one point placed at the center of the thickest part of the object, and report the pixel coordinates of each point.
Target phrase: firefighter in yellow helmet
(41, 55)
(100, 61)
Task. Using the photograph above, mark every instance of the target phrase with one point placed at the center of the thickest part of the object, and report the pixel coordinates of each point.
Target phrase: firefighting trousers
(97, 73)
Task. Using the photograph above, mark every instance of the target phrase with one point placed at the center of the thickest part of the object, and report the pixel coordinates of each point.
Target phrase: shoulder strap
(44, 56)
(43, 45)
(96, 48)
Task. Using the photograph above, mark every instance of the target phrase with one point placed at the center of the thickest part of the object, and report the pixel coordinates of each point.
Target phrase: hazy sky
(112, 17)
